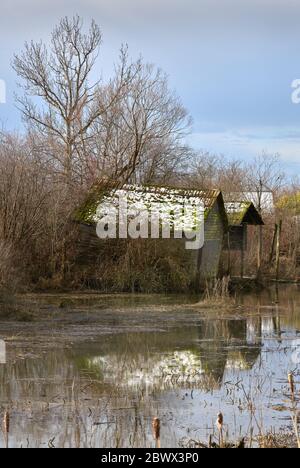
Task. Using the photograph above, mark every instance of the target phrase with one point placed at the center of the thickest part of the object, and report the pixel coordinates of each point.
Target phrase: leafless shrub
(8, 272)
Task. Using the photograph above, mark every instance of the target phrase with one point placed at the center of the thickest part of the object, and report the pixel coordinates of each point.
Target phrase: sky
(232, 62)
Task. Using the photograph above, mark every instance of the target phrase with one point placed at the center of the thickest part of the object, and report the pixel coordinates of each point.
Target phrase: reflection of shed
(240, 216)
(187, 357)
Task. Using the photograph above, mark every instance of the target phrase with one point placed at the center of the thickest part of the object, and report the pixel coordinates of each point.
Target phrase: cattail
(156, 431)
(6, 422)
(220, 422)
(156, 428)
(292, 384)
(6, 427)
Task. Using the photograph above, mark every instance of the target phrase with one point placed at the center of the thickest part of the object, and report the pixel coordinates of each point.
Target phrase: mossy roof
(101, 193)
(242, 212)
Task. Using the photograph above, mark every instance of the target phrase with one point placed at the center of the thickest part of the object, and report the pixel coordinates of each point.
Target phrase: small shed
(205, 262)
(240, 215)
(264, 200)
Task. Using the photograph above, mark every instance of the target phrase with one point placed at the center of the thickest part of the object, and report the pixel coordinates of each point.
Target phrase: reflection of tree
(229, 343)
(213, 352)
(38, 377)
(41, 394)
(281, 302)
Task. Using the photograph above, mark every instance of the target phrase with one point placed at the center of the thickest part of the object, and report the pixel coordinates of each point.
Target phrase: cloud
(249, 142)
(231, 61)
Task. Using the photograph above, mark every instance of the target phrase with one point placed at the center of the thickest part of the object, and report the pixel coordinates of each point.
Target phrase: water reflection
(105, 392)
(182, 358)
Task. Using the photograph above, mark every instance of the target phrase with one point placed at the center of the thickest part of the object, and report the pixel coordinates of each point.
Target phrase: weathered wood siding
(237, 238)
(213, 244)
(89, 244)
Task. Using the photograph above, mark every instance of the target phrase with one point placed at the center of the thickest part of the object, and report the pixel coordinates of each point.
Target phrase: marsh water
(93, 371)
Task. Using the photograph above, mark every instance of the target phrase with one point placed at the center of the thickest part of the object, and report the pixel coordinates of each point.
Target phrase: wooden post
(198, 273)
(259, 251)
(242, 260)
(229, 255)
(260, 232)
(243, 248)
(278, 238)
(273, 243)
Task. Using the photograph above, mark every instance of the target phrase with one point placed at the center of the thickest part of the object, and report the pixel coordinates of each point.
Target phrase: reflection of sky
(253, 353)
(232, 62)
(234, 345)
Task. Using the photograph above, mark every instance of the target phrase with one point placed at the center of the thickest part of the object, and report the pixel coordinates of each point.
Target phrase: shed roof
(265, 199)
(145, 194)
(242, 212)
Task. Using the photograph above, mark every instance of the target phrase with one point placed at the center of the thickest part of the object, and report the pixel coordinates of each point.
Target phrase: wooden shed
(240, 215)
(204, 262)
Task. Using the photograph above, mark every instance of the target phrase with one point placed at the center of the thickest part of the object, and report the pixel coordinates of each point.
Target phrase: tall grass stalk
(292, 386)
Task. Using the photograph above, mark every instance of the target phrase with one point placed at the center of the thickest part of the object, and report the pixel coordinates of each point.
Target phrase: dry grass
(217, 294)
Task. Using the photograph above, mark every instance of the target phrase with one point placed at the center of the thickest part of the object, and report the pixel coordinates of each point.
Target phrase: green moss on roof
(87, 212)
(242, 212)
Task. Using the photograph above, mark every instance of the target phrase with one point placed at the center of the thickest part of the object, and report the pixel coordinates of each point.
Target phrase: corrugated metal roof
(208, 197)
(144, 193)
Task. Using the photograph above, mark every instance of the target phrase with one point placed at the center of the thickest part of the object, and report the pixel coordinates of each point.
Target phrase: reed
(218, 292)
(294, 408)
(220, 427)
(6, 422)
(292, 385)
(156, 432)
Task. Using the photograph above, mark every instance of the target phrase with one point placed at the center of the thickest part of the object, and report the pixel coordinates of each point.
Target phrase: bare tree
(93, 130)
(141, 136)
(60, 76)
(263, 175)
(35, 211)
(210, 171)
(23, 192)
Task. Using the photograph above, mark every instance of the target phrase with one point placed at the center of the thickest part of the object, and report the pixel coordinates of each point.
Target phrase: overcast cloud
(232, 62)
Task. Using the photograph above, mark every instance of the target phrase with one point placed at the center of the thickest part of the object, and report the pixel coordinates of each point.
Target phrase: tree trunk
(273, 243)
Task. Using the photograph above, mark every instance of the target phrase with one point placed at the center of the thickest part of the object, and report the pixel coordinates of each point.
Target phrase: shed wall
(211, 252)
